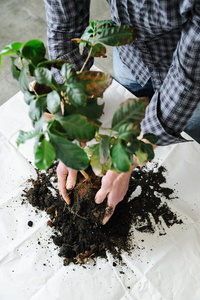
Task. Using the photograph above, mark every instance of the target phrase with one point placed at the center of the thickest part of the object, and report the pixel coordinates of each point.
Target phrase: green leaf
(37, 108)
(44, 155)
(77, 127)
(147, 148)
(66, 70)
(76, 94)
(28, 97)
(43, 76)
(90, 148)
(130, 111)
(17, 46)
(95, 160)
(69, 153)
(55, 63)
(131, 149)
(98, 50)
(117, 36)
(56, 128)
(35, 61)
(23, 79)
(141, 156)
(83, 44)
(126, 132)
(7, 50)
(24, 136)
(104, 150)
(15, 71)
(89, 31)
(92, 110)
(104, 24)
(151, 138)
(120, 158)
(33, 48)
(39, 124)
(53, 102)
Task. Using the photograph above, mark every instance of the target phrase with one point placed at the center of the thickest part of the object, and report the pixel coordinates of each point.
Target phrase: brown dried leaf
(96, 82)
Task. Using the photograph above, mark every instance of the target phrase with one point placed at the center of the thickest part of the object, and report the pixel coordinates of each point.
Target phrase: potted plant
(74, 106)
(64, 116)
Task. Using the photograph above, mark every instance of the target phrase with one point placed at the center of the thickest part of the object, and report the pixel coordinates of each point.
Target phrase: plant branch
(89, 54)
(87, 177)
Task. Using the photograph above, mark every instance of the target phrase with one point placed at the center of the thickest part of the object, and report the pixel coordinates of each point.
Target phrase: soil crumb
(77, 229)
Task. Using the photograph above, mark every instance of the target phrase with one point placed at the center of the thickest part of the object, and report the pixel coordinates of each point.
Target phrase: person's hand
(66, 180)
(114, 186)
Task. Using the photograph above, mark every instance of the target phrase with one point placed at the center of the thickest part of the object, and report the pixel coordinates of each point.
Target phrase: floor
(23, 20)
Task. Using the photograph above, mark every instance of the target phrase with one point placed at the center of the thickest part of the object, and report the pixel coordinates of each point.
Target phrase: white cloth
(160, 268)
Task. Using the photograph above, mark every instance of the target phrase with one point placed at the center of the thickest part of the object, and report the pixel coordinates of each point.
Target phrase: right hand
(66, 180)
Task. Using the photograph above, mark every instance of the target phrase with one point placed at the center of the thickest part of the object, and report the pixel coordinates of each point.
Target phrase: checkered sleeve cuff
(152, 124)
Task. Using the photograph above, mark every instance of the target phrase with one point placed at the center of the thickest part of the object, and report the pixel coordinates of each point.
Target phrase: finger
(116, 195)
(71, 179)
(108, 214)
(62, 188)
(62, 173)
(106, 186)
(101, 195)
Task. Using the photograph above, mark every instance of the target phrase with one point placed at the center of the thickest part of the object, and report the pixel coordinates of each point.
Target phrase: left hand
(66, 180)
(114, 186)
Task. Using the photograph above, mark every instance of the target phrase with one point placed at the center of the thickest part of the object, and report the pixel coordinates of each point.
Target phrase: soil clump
(77, 229)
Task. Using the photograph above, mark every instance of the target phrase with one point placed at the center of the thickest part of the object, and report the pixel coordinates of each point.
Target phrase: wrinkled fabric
(166, 50)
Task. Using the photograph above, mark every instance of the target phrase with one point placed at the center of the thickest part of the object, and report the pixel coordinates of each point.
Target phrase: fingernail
(105, 220)
(67, 201)
(69, 186)
(98, 200)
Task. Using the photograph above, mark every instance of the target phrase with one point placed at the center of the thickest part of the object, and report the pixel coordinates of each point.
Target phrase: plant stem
(89, 54)
(87, 177)
(33, 89)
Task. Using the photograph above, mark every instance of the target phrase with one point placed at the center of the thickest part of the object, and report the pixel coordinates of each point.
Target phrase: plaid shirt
(167, 50)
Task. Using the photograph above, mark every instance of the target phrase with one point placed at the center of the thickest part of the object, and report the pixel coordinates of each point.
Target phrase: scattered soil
(77, 229)
(30, 223)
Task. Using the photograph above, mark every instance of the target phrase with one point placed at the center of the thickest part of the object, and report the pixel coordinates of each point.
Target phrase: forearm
(174, 103)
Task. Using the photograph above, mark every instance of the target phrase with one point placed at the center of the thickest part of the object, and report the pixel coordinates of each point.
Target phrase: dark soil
(77, 229)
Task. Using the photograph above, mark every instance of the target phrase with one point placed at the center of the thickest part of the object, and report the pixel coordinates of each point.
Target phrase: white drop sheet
(163, 267)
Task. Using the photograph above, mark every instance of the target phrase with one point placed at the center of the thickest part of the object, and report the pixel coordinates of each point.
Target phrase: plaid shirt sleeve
(174, 103)
(66, 19)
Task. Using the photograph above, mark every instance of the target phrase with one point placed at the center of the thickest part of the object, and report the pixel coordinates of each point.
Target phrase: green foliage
(44, 155)
(75, 108)
(105, 32)
(77, 127)
(76, 93)
(120, 158)
(132, 110)
(23, 79)
(37, 108)
(69, 153)
(32, 49)
(43, 76)
(24, 136)
(53, 101)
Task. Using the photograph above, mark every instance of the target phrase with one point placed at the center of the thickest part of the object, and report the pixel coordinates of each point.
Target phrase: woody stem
(89, 54)
(87, 177)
